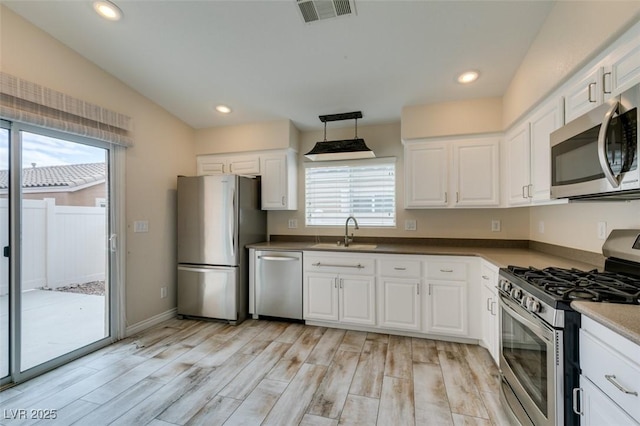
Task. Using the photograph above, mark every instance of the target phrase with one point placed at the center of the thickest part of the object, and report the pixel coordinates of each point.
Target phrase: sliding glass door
(56, 304)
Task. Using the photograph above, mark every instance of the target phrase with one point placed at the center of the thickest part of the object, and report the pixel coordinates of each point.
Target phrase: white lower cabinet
(610, 380)
(412, 293)
(597, 409)
(399, 303)
(490, 322)
(446, 308)
(339, 289)
(320, 299)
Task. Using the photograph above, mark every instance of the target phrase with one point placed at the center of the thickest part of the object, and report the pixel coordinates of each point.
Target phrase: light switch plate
(495, 225)
(602, 230)
(410, 225)
(293, 223)
(541, 227)
(141, 226)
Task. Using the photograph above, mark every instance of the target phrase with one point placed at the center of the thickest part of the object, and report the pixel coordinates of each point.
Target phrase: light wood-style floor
(263, 372)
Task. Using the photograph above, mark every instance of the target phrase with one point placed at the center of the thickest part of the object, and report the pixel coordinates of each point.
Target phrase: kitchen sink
(335, 246)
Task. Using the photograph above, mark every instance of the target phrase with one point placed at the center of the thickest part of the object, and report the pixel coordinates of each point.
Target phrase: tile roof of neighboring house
(69, 176)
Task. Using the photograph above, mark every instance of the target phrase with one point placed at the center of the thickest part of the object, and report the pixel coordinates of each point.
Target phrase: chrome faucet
(348, 239)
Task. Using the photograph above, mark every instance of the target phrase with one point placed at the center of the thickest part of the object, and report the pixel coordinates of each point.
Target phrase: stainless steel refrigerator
(217, 216)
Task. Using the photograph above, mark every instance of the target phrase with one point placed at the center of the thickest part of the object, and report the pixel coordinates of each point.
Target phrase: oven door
(528, 354)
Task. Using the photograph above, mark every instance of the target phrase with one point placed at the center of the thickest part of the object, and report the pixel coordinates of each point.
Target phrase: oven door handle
(537, 326)
(602, 146)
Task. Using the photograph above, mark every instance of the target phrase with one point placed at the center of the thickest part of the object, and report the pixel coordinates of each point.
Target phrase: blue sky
(47, 151)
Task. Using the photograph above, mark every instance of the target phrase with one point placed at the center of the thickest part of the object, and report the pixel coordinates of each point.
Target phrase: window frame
(391, 161)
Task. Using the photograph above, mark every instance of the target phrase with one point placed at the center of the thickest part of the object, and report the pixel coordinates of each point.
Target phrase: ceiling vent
(318, 10)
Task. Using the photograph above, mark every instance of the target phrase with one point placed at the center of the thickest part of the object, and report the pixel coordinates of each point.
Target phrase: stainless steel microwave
(596, 155)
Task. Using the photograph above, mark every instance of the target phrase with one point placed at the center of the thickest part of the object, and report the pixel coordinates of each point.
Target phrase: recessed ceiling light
(223, 109)
(107, 10)
(468, 77)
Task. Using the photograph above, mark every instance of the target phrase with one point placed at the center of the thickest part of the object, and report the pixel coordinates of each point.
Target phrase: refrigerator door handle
(233, 229)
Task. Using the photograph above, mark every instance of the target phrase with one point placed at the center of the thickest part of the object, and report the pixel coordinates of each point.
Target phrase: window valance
(30, 103)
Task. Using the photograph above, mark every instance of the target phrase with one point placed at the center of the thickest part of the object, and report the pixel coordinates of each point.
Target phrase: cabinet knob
(283, 200)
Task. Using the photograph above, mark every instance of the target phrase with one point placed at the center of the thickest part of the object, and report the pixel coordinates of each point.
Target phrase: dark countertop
(500, 257)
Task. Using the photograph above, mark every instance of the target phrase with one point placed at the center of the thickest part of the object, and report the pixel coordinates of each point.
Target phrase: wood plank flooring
(185, 372)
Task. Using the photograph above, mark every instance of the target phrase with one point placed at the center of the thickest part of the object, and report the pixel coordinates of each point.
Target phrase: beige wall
(574, 32)
(384, 140)
(279, 134)
(163, 149)
(576, 224)
(452, 118)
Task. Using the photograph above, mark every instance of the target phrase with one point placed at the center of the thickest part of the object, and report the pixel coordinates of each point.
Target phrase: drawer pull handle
(612, 379)
(400, 269)
(446, 270)
(484, 277)
(330, 265)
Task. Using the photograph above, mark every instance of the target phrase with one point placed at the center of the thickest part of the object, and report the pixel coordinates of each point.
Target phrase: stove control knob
(505, 285)
(516, 293)
(533, 305)
(525, 301)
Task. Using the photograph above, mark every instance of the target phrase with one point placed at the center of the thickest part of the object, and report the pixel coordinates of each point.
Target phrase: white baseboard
(150, 322)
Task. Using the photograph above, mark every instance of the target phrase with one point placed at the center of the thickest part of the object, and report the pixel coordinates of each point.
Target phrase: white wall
(164, 148)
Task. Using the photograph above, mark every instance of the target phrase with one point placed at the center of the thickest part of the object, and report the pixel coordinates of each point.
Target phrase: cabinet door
(211, 165)
(476, 170)
(584, 95)
(625, 66)
(399, 303)
(446, 308)
(357, 300)
(426, 174)
(598, 409)
(244, 165)
(544, 121)
(518, 165)
(320, 297)
(277, 191)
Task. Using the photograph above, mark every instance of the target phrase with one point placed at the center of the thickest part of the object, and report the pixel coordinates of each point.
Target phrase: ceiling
(262, 60)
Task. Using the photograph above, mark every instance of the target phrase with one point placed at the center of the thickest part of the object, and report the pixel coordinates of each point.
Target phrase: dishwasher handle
(279, 258)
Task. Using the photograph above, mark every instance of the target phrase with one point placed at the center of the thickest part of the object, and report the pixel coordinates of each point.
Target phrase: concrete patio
(53, 323)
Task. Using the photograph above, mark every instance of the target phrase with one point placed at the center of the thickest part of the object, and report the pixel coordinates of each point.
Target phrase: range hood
(345, 149)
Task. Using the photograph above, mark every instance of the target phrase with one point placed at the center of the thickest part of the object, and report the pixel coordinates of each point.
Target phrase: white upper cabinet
(246, 164)
(625, 63)
(278, 169)
(279, 177)
(518, 165)
(585, 93)
(476, 165)
(547, 118)
(452, 173)
(426, 174)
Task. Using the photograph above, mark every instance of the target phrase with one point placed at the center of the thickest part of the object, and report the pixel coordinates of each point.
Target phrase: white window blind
(365, 189)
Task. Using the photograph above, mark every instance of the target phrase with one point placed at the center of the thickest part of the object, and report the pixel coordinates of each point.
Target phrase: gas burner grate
(574, 284)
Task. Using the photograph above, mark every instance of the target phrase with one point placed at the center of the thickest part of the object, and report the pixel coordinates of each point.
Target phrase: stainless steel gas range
(539, 356)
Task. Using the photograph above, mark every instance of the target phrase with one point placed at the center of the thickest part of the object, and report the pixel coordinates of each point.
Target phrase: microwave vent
(318, 10)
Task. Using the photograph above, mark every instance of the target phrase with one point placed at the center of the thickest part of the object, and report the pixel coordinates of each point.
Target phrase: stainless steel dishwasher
(278, 284)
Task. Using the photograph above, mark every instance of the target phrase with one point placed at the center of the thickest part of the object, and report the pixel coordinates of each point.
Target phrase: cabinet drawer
(244, 165)
(615, 374)
(400, 268)
(489, 276)
(348, 265)
(447, 271)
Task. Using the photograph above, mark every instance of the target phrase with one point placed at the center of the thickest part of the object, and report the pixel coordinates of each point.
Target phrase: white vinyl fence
(62, 245)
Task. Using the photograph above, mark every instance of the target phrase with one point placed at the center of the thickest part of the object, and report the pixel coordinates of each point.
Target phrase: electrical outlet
(602, 230)
(495, 225)
(163, 292)
(293, 223)
(410, 225)
(541, 227)
(141, 226)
